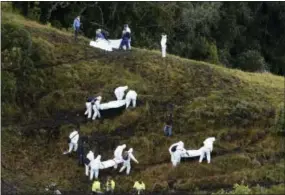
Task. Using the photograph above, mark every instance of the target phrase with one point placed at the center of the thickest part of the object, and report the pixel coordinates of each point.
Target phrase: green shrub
(251, 60)
(213, 56)
(280, 119)
(42, 52)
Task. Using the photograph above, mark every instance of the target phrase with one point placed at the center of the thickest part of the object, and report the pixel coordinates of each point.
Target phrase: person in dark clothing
(106, 34)
(168, 126)
(126, 37)
(76, 26)
(82, 148)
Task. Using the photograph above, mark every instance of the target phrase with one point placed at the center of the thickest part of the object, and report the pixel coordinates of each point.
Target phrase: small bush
(280, 119)
(252, 61)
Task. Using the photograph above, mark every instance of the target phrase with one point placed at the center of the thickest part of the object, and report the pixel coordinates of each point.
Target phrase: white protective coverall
(89, 156)
(74, 137)
(95, 166)
(127, 163)
(205, 150)
(176, 154)
(88, 111)
(96, 108)
(131, 97)
(118, 154)
(129, 30)
(163, 45)
(120, 92)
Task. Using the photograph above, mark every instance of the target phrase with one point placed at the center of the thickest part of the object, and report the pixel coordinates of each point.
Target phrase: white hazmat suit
(163, 45)
(176, 151)
(118, 154)
(127, 162)
(74, 137)
(96, 108)
(90, 157)
(88, 105)
(203, 151)
(131, 97)
(95, 166)
(120, 92)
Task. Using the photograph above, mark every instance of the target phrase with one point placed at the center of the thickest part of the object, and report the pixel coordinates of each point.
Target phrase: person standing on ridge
(126, 37)
(163, 44)
(76, 26)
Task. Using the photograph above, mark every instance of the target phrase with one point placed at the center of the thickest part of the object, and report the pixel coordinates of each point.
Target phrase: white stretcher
(191, 153)
(112, 104)
(109, 163)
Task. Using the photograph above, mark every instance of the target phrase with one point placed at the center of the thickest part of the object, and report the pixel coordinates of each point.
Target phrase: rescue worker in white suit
(88, 160)
(207, 149)
(89, 104)
(96, 108)
(73, 141)
(176, 150)
(127, 161)
(94, 167)
(131, 97)
(118, 154)
(163, 45)
(120, 92)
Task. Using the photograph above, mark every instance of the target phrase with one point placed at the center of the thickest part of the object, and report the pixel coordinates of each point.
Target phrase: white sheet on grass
(112, 104)
(192, 153)
(109, 163)
(107, 45)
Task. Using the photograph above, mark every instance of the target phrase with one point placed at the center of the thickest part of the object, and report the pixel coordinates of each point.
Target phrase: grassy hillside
(46, 77)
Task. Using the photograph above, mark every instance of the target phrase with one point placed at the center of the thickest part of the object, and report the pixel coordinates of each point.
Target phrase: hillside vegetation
(46, 77)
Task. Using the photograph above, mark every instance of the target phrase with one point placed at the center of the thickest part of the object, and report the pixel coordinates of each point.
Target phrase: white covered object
(107, 45)
(110, 163)
(112, 104)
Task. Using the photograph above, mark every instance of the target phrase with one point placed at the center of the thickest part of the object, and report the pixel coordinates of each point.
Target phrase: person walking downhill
(76, 26)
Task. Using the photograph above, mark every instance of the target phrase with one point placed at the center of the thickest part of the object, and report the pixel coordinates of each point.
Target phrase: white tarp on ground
(192, 153)
(109, 163)
(112, 104)
(107, 45)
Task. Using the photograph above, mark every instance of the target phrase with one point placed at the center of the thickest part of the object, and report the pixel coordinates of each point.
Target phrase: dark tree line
(245, 35)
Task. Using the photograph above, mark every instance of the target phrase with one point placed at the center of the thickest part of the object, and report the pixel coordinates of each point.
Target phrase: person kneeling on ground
(72, 141)
(139, 187)
(96, 187)
(110, 185)
(99, 34)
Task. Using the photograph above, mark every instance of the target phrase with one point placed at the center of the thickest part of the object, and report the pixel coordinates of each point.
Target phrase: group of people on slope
(177, 151)
(94, 103)
(109, 187)
(102, 42)
(125, 38)
(93, 165)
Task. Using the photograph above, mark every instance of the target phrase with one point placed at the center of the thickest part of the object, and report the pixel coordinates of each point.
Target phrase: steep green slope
(46, 77)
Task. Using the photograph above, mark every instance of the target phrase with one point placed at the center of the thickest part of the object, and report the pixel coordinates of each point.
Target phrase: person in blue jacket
(99, 34)
(76, 26)
(126, 37)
